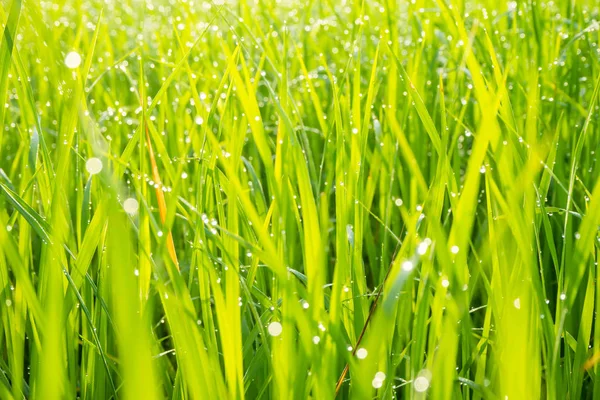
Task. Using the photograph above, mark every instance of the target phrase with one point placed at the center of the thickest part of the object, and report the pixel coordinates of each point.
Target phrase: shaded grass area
(299, 200)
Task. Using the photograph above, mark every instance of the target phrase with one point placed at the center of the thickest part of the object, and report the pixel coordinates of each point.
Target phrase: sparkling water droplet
(73, 60)
(421, 384)
(362, 353)
(131, 206)
(93, 165)
(517, 303)
(380, 375)
(350, 233)
(275, 329)
(422, 247)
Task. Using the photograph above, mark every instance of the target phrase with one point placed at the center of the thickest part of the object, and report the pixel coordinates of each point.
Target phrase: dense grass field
(395, 199)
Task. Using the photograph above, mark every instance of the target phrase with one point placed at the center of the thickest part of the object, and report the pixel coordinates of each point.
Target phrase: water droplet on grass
(131, 206)
(421, 384)
(350, 234)
(73, 60)
(93, 165)
(362, 353)
(275, 329)
(517, 303)
(377, 382)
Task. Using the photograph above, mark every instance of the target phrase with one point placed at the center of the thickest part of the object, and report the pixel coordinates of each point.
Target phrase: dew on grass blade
(362, 353)
(131, 206)
(275, 328)
(517, 303)
(423, 246)
(377, 381)
(93, 165)
(421, 384)
(73, 60)
(422, 381)
(350, 234)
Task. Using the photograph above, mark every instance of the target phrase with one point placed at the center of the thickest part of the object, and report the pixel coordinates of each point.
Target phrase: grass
(284, 199)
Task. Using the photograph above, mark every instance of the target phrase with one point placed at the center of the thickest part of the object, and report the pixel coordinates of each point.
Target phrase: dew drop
(421, 384)
(93, 165)
(361, 353)
(73, 60)
(275, 329)
(131, 206)
(517, 303)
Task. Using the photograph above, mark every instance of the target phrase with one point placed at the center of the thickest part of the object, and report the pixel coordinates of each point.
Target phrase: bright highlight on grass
(293, 199)
(275, 329)
(131, 206)
(93, 165)
(73, 60)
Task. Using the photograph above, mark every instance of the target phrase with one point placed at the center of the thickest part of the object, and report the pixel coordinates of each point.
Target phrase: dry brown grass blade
(591, 362)
(340, 381)
(162, 204)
